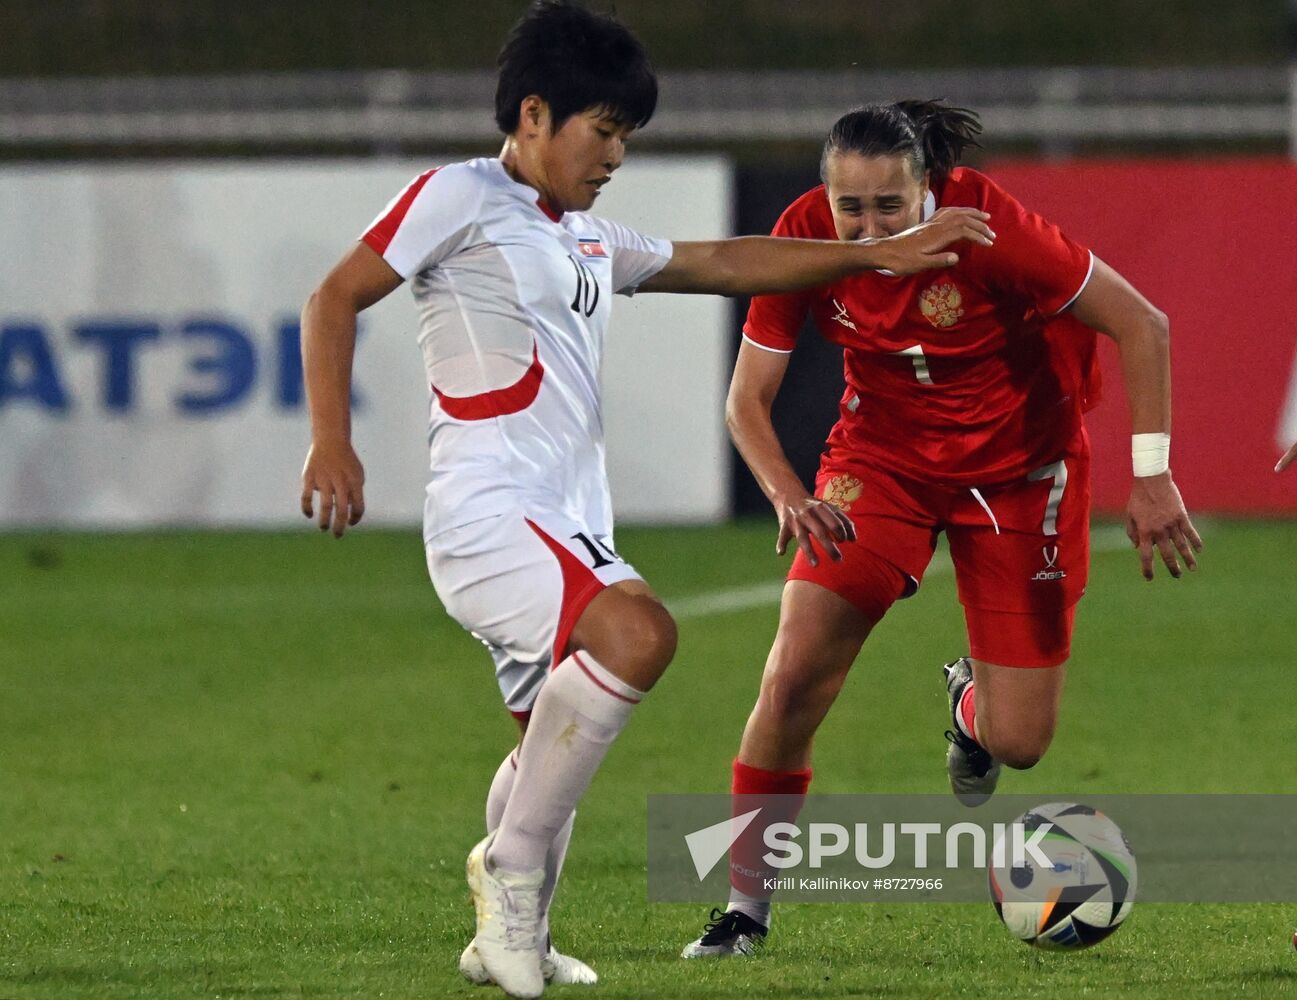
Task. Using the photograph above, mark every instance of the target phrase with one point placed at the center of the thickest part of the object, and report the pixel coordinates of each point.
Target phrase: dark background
(127, 37)
(807, 404)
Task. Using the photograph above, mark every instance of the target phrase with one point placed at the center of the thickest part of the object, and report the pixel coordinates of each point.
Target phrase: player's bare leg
(627, 628)
(1016, 710)
(622, 644)
(819, 637)
(1001, 715)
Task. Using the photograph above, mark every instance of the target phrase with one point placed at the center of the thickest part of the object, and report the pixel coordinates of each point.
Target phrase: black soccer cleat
(973, 772)
(728, 933)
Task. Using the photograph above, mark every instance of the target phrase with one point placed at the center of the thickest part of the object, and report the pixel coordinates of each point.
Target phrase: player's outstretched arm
(1287, 459)
(757, 377)
(332, 469)
(759, 265)
(1155, 517)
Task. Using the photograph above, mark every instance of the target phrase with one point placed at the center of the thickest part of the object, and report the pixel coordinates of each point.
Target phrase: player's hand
(804, 517)
(1287, 459)
(333, 471)
(924, 246)
(1156, 518)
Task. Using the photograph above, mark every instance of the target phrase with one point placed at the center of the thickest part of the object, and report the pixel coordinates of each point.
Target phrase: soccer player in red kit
(962, 413)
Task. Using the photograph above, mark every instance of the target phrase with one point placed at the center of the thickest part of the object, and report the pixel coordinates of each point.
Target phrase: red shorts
(1021, 550)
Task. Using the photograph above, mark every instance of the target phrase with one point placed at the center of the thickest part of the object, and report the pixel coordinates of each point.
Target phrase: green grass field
(242, 765)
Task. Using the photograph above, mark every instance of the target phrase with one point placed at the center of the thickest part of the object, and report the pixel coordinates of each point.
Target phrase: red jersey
(967, 375)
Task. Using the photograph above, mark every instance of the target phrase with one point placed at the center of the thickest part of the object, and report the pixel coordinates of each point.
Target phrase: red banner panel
(1214, 245)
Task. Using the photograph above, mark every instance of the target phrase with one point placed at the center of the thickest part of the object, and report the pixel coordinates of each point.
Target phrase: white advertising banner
(149, 365)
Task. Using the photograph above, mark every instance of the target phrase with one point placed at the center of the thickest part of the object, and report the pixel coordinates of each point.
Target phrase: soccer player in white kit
(513, 282)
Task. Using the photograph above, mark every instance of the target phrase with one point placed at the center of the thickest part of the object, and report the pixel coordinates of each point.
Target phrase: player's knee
(1022, 751)
(1022, 760)
(780, 702)
(656, 635)
(789, 693)
(645, 642)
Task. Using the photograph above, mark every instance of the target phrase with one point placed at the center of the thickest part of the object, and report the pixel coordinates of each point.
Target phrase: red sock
(747, 871)
(968, 712)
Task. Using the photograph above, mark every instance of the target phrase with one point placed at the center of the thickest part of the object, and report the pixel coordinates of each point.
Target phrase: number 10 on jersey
(586, 296)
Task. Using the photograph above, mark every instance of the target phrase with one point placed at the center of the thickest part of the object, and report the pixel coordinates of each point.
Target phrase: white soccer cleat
(564, 970)
(508, 917)
(558, 969)
(471, 967)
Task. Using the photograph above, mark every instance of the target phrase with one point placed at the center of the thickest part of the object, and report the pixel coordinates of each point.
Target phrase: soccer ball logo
(941, 304)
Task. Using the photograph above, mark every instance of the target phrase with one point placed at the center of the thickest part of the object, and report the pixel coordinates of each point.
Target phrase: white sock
(553, 869)
(757, 909)
(501, 786)
(579, 712)
(959, 713)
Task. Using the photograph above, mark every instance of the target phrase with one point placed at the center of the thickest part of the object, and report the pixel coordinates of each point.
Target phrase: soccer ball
(1083, 897)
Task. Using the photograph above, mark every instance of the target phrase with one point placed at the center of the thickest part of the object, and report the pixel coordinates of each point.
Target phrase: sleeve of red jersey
(427, 221)
(1031, 256)
(635, 257)
(775, 320)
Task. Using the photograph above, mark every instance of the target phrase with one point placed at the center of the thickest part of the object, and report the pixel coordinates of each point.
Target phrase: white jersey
(513, 304)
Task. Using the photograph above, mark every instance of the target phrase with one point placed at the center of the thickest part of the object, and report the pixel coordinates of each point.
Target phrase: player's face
(873, 196)
(580, 158)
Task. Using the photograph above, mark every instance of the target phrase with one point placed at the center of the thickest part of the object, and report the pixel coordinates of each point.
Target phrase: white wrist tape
(1150, 454)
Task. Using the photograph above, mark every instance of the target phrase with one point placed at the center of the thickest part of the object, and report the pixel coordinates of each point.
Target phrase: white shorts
(519, 582)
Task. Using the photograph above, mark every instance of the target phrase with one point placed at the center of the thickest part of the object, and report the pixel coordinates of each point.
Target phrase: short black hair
(931, 134)
(574, 59)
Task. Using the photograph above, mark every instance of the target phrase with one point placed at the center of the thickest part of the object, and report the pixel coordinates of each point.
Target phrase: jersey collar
(532, 195)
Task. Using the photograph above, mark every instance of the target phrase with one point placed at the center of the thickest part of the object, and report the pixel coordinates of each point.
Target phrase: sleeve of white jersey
(635, 257)
(428, 221)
